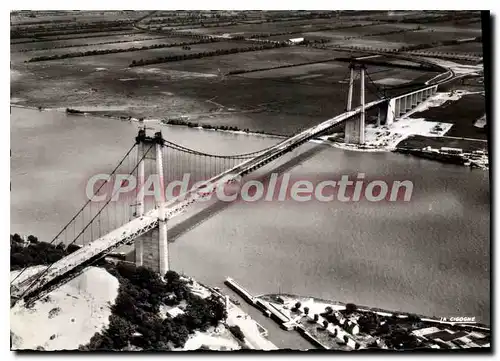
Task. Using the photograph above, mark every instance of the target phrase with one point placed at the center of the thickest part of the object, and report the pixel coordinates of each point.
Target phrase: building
(451, 150)
(295, 40)
(449, 339)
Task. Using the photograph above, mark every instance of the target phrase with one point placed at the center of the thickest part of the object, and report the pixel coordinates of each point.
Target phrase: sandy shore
(71, 316)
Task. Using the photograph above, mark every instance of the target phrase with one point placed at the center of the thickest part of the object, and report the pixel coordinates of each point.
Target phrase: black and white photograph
(250, 180)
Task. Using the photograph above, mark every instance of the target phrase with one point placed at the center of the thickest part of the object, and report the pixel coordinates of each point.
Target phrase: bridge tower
(355, 128)
(151, 249)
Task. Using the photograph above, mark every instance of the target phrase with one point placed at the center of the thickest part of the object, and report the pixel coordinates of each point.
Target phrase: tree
(368, 322)
(17, 238)
(236, 331)
(350, 308)
(325, 324)
(333, 319)
(402, 339)
(306, 310)
(297, 305)
(316, 317)
(72, 248)
(119, 332)
(32, 239)
(413, 318)
(335, 332)
(125, 306)
(175, 331)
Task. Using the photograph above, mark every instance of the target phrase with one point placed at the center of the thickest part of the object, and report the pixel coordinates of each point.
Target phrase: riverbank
(68, 316)
(163, 122)
(345, 326)
(334, 325)
(477, 159)
(415, 136)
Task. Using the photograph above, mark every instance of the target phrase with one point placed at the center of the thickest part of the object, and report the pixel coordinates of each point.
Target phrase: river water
(429, 256)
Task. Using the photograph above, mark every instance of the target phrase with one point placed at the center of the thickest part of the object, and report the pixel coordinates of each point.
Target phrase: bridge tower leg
(140, 202)
(355, 128)
(349, 126)
(383, 116)
(351, 85)
(362, 100)
(163, 265)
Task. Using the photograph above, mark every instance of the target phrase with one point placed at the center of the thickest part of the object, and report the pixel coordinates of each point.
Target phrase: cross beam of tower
(151, 249)
(355, 128)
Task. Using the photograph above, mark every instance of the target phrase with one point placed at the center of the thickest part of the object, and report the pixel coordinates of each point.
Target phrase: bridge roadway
(74, 264)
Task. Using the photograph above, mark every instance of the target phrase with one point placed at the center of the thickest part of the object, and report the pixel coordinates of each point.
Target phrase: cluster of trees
(236, 331)
(83, 45)
(210, 24)
(207, 126)
(428, 19)
(350, 308)
(467, 21)
(399, 31)
(33, 252)
(188, 20)
(135, 319)
(315, 41)
(306, 16)
(244, 71)
(330, 317)
(401, 339)
(395, 332)
(68, 25)
(27, 33)
(405, 48)
(299, 31)
(205, 54)
(221, 20)
(454, 16)
(355, 47)
(114, 51)
(296, 307)
(100, 35)
(73, 111)
(52, 21)
(369, 322)
(190, 35)
(430, 45)
(397, 337)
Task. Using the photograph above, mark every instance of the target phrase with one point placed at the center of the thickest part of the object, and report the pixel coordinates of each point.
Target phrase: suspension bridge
(101, 226)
